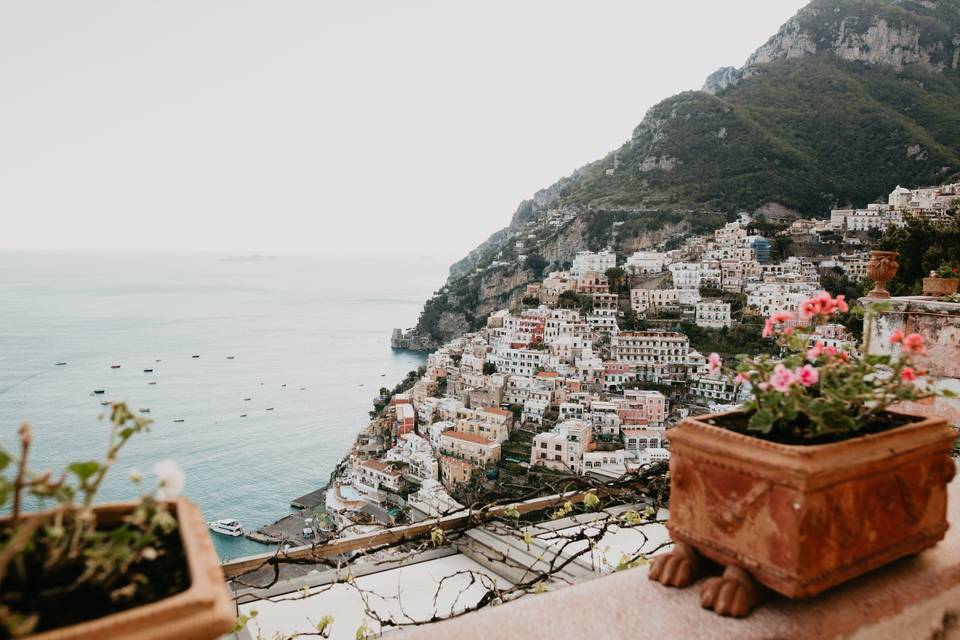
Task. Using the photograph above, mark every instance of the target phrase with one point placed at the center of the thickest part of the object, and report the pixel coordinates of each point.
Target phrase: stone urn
(799, 519)
(882, 267)
(934, 286)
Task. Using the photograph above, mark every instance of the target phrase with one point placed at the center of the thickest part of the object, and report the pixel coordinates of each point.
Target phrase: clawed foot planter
(815, 482)
(798, 519)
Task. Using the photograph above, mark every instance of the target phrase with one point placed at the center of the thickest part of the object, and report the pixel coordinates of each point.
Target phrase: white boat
(227, 527)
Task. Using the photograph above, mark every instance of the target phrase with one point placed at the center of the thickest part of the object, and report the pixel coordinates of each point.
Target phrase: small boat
(114, 366)
(99, 391)
(243, 415)
(61, 363)
(157, 360)
(269, 408)
(104, 403)
(178, 420)
(229, 357)
(152, 382)
(144, 409)
(227, 527)
(246, 399)
(148, 370)
(303, 388)
(283, 385)
(196, 355)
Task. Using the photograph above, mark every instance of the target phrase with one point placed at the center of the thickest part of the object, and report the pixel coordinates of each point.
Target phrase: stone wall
(939, 323)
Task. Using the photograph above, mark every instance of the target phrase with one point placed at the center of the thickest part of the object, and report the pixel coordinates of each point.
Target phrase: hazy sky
(398, 127)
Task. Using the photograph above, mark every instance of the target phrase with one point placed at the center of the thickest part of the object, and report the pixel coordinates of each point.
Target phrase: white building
(655, 300)
(713, 314)
(647, 262)
(686, 275)
(523, 362)
(656, 355)
(586, 261)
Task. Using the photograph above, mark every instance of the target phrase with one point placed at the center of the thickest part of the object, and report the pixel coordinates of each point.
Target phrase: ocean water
(309, 338)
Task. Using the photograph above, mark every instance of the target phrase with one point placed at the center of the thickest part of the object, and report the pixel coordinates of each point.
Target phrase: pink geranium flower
(782, 379)
(841, 302)
(815, 351)
(896, 337)
(908, 374)
(914, 343)
(714, 363)
(806, 375)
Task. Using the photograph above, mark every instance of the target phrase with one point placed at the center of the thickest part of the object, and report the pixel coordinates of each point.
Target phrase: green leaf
(4, 459)
(84, 470)
(761, 421)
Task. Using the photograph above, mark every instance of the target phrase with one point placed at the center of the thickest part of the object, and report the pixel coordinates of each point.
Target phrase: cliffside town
(846, 99)
(596, 361)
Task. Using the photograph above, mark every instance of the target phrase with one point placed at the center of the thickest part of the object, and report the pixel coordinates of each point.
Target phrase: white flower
(171, 479)
(135, 475)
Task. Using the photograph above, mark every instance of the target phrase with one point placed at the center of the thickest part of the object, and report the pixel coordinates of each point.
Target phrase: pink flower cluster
(822, 304)
(782, 378)
(818, 349)
(714, 363)
(770, 326)
(912, 343)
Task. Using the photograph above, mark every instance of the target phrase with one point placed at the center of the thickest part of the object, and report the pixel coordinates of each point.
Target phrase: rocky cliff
(848, 99)
(897, 33)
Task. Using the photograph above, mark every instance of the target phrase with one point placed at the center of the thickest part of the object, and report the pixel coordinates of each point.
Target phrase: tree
(536, 263)
(923, 246)
(489, 368)
(618, 280)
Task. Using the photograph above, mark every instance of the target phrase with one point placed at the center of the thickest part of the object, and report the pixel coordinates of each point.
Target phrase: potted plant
(943, 281)
(815, 480)
(77, 570)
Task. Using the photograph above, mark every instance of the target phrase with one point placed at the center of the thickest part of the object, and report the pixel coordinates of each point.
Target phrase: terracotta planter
(940, 286)
(881, 268)
(801, 519)
(203, 611)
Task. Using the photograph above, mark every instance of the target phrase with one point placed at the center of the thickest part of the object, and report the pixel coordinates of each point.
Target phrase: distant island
(254, 257)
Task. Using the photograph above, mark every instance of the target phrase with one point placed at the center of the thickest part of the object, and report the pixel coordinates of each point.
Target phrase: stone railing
(939, 323)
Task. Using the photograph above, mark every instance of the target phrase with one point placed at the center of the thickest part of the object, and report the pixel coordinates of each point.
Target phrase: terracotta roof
(468, 437)
(379, 466)
(498, 412)
(547, 374)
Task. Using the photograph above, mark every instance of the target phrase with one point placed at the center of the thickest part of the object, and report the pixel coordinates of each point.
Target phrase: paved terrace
(915, 598)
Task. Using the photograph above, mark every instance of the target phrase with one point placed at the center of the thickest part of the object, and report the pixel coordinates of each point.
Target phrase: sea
(263, 368)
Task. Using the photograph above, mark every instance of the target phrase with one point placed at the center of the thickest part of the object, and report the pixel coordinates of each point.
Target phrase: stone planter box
(940, 286)
(801, 519)
(203, 611)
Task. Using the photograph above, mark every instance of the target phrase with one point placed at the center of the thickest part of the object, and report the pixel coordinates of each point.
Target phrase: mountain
(848, 99)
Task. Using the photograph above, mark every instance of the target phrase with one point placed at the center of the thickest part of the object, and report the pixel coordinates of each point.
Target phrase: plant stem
(19, 483)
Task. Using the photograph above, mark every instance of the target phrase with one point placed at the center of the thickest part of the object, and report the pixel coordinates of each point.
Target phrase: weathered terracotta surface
(881, 268)
(940, 286)
(801, 519)
(203, 612)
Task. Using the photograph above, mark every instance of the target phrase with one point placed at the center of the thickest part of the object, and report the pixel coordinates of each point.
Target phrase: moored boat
(99, 391)
(226, 526)
(114, 366)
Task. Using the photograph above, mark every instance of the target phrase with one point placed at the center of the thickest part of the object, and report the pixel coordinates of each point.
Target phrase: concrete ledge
(914, 598)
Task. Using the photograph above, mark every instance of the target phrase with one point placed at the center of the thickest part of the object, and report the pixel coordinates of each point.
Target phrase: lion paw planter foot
(680, 568)
(734, 594)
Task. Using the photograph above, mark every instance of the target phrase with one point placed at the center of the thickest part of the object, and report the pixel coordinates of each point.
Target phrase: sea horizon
(305, 337)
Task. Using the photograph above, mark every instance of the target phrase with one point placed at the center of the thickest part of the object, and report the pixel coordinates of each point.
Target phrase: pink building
(641, 407)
